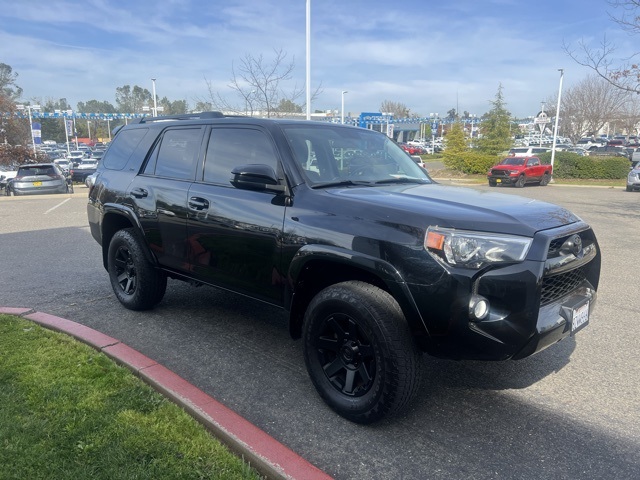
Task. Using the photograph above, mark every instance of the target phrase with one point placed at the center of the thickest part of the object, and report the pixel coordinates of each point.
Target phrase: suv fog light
(478, 307)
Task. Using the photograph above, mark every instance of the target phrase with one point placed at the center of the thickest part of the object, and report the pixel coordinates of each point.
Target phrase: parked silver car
(633, 179)
(38, 178)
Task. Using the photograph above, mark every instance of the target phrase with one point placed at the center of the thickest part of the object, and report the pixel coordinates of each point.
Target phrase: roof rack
(184, 116)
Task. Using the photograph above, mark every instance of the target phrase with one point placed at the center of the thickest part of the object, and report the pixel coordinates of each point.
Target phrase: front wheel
(492, 182)
(135, 281)
(521, 181)
(359, 352)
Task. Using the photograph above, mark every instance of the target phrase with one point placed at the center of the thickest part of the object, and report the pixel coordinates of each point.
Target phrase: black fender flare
(128, 216)
(374, 266)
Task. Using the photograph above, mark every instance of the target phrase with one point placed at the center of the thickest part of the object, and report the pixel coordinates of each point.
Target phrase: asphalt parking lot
(572, 411)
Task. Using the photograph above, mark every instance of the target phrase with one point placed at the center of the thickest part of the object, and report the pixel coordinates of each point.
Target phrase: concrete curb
(263, 452)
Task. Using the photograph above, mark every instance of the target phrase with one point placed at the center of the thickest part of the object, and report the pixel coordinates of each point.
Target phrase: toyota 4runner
(373, 262)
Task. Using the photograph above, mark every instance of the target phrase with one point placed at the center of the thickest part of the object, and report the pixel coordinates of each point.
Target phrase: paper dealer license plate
(580, 317)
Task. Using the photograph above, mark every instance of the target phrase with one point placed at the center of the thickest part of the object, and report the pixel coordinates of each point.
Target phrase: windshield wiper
(342, 183)
(401, 180)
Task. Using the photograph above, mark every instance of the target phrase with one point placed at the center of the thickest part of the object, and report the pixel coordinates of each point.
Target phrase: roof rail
(183, 116)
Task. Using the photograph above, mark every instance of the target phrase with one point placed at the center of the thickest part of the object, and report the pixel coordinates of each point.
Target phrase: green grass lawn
(69, 412)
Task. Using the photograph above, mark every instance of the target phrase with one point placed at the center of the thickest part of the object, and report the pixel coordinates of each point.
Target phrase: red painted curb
(263, 452)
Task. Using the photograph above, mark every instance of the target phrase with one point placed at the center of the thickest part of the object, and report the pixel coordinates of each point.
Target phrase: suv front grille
(567, 279)
(555, 287)
(500, 173)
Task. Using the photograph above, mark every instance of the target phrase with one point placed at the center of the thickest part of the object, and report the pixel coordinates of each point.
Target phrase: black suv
(373, 262)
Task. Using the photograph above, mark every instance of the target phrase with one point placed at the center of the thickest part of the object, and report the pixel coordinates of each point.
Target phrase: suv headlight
(467, 249)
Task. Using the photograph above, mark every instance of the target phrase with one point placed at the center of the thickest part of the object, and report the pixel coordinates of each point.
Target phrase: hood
(458, 207)
(507, 167)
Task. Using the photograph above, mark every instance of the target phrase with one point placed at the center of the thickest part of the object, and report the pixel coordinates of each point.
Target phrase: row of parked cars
(57, 171)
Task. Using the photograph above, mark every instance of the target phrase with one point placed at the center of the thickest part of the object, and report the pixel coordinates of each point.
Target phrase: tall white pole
(555, 128)
(308, 59)
(155, 105)
(342, 114)
(33, 139)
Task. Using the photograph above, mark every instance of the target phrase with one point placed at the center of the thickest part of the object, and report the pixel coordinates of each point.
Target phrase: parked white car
(87, 164)
(5, 176)
(75, 156)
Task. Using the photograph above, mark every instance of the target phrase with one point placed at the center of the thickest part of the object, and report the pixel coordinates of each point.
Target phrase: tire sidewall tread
(398, 360)
(151, 283)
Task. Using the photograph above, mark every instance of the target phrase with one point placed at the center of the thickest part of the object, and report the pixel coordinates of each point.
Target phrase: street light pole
(555, 128)
(308, 79)
(29, 107)
(342, 114)
(155, 106)
(542, 128)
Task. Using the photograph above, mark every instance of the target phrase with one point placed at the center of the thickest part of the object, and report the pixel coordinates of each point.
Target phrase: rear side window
(177, 154)
(231, 147)
(122, 147)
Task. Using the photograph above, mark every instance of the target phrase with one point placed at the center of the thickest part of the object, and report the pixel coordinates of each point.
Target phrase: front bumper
(533, 304)
(504, 180)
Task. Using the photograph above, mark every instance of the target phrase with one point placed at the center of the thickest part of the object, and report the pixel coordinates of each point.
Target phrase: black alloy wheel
(137, 284)
(359, 352)
(347, 357)
(521, 181)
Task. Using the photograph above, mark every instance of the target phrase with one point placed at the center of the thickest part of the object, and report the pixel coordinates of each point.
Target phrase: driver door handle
(139, 192)
(198, 203)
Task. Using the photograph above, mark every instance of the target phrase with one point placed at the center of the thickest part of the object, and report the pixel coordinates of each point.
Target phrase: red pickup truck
(518, 171)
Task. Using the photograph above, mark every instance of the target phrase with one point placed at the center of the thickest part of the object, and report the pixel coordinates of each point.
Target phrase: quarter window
(178, 153)
(122, 148)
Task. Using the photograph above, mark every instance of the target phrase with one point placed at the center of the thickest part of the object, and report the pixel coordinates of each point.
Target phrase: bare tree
(628, 117)
(258, 85)
(588, 106)
(398, 109)
(623, 73)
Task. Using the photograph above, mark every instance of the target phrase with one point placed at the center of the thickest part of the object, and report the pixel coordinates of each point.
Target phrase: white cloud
(430, 56)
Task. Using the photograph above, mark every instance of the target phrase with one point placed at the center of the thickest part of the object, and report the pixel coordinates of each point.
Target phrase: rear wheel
(359, 352)
(521, 181)
(546, 178)
(135, 281)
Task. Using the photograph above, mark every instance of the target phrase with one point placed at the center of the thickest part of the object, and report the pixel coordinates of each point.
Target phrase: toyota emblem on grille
(572, 245)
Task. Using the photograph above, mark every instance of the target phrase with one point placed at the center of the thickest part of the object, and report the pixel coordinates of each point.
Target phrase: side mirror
(256, 177)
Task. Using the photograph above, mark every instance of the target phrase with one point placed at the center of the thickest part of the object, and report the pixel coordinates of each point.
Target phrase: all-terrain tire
(137, 284)
(546, 178)
(359, 352)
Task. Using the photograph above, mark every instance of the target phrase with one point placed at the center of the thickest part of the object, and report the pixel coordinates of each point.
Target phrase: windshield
(337, 155)
(513, 161)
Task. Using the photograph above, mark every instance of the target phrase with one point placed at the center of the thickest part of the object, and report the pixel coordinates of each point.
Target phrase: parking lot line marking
(59, 205)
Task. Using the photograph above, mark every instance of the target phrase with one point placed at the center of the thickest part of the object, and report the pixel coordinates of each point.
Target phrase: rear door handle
(139, 192)
(197, 203)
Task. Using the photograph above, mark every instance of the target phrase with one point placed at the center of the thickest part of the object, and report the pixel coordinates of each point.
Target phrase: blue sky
(430, 55)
